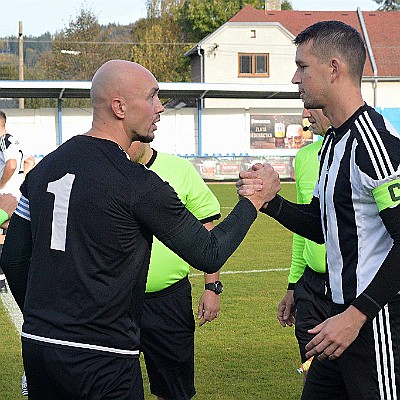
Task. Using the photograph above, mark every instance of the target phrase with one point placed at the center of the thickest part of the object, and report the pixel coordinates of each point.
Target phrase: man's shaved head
(115, 78)
(125, 103)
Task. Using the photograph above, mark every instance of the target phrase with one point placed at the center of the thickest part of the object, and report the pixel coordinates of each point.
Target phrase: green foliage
(286, 5)
(78, 51)
(200, 18)
(388, 5)
(245, 353)
(33, 47)
(8, 67)
(159, 43)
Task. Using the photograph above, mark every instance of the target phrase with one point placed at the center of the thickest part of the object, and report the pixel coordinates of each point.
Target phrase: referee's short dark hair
(335, 37)
(3, 115)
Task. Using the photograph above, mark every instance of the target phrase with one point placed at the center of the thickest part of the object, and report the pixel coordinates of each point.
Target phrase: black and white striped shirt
(359, 176)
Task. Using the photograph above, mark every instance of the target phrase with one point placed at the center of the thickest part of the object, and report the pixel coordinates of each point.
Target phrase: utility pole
(21, 61)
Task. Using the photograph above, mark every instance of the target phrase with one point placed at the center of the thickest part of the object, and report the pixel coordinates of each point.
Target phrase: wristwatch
(215, 287)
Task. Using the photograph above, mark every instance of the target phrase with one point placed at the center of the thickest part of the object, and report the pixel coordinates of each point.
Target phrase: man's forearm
(210, 278)
(303, 219)
(8, 172)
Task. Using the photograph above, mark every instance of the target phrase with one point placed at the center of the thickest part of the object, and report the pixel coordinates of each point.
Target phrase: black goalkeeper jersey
(91, 213)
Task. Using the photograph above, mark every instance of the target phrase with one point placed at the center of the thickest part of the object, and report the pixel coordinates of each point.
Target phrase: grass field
(244, 354)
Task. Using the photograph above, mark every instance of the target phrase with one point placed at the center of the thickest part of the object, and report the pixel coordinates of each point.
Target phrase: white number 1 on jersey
(62, 192)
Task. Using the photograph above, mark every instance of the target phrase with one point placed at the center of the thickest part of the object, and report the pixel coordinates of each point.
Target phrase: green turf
(10, 358)
(245, 354)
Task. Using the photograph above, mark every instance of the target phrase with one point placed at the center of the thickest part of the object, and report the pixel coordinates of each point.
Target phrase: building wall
(38, 130)
(222, 49)
(385, 95)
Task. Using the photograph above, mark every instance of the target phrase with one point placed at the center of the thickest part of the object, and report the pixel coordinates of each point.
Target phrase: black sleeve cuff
(291, 286)
(367, 306)
(210, 219)
(274, 206)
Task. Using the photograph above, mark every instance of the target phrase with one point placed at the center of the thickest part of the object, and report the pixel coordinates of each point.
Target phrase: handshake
(260, 183)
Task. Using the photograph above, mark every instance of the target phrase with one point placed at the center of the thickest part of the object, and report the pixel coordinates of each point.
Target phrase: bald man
(83, 230)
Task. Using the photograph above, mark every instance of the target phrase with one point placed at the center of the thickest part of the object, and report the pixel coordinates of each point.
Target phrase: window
(253, 65)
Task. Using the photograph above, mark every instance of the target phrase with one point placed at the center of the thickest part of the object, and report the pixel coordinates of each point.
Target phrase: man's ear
(118, 107)
(336, 67)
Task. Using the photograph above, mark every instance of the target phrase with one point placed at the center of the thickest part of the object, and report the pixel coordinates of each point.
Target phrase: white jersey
(10, 150)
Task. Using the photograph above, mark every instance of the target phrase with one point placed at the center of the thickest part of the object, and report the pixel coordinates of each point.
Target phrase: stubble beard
(143, 138)
(311, 104)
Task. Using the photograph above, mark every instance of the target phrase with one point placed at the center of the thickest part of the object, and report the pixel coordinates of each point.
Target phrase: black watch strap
(215, 287)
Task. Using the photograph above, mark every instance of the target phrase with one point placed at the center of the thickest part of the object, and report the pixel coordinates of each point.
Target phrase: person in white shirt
(14, 165)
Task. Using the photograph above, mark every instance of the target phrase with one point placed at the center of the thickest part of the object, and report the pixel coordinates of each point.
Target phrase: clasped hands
(260, 184)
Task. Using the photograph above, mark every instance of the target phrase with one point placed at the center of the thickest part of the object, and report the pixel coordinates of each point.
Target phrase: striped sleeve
(23, 208)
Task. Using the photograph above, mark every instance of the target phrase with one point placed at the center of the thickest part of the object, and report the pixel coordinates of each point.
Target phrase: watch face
(218, 287)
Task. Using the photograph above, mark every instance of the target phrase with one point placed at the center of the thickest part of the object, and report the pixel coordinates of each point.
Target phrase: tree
(388, 5)
(159, 42)
(79, 50)
(200, 18)
(286, 5)
(8, 66)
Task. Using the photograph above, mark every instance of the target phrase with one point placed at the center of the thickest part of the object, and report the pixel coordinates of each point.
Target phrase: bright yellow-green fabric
(166, 267)
(3, 216)
(387, 195)
(305, 252)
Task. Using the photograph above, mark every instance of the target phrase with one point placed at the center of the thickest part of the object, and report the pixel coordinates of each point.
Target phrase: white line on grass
(16, 315)
(11, 306)
(251, 271)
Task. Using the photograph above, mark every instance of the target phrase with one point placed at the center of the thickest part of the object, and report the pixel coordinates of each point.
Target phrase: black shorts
(368, 369)
(167, 341)
(65, 373)
(312, 302)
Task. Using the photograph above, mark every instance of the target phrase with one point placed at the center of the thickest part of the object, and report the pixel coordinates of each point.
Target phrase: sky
(41, 16)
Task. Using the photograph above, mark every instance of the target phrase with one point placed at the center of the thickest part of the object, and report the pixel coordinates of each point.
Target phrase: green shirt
(166, 267)
(3, 216)
(304, 251)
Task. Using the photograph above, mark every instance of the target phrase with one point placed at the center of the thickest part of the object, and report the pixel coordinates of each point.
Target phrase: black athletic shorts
(368, 369)
(167, 341)
(64, 373)
(312, 302)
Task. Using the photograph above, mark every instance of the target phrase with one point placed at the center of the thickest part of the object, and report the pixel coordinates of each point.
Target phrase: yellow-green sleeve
(3, 216)
(306, 252)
